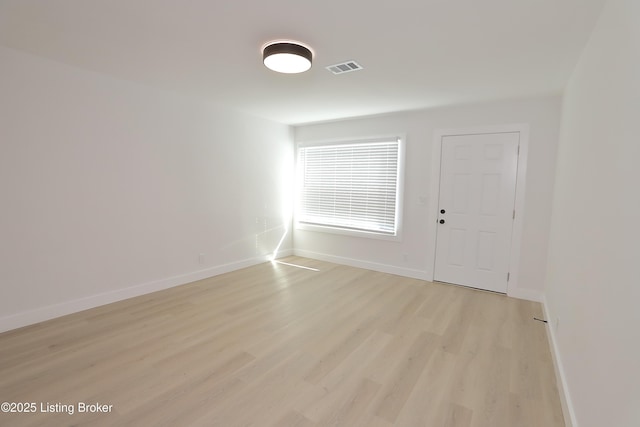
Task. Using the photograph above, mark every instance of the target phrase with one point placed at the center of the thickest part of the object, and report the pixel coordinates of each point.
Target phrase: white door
(476, 209)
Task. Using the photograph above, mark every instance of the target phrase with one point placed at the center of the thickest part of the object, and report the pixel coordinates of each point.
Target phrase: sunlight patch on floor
(294, 265)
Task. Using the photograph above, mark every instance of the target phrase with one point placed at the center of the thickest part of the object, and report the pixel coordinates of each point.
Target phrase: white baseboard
(383, 268)
(41, 314)
(284, 253)
(561, 379)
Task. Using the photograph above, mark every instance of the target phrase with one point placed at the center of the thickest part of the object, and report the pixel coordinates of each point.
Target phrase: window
(350, 186)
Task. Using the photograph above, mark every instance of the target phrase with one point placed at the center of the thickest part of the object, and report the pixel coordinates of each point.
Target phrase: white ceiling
(415, 53)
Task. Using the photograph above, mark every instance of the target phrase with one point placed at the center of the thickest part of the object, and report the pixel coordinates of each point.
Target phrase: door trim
(518, 223)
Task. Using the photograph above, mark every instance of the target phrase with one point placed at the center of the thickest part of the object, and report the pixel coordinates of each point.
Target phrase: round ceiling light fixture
(287, 57)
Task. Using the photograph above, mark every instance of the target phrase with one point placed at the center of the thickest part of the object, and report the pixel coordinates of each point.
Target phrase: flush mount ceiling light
(287, 57)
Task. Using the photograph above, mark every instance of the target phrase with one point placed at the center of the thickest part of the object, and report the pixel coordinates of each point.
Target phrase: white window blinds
(352, 186)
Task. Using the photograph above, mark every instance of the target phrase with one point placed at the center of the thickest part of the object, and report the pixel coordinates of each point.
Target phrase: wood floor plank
(294, 419)
(429, 403)
(353, 407)
(459, 416)
(297, 343)
(401, 382)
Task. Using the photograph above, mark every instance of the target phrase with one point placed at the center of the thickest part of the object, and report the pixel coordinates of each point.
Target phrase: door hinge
(518, 150)
(508, 276)
(514, 214)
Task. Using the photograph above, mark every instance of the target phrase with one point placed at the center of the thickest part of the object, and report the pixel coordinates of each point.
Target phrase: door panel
(458, 239)
(477, 194)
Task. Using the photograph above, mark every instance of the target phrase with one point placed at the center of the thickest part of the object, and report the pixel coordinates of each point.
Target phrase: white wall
(543, 116)
(109, 189)
(593, 284)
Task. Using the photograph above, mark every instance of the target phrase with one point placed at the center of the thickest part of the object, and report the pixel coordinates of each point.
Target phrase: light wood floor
(277, 345)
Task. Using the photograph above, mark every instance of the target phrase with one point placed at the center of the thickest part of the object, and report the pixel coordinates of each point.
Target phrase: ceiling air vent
(344, 67)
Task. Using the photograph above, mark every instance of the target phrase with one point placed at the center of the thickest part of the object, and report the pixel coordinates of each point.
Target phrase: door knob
(441, 211)
(442, 221)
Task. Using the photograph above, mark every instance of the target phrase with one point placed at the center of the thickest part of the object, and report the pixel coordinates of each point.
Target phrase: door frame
(518, 223)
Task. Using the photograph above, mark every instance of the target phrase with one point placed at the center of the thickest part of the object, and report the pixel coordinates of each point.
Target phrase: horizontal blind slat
(350, 186)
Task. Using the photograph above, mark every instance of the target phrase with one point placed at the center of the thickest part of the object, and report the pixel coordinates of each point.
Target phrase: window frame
(401, 139)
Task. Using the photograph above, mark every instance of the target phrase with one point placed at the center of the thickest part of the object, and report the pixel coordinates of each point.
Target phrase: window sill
(348, 232)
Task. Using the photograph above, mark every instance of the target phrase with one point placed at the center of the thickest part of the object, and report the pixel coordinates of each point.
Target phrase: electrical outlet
(405, 257)
(557, 323)
(201, 259)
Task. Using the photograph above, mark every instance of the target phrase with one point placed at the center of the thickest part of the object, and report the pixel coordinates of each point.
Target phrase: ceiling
(415, 53)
